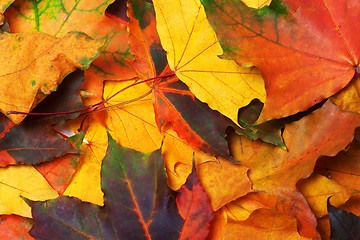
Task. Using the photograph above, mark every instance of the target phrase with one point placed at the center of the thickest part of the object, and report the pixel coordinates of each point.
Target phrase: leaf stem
(49, 114)
(112, 106)
(98, 105)
(134, 84)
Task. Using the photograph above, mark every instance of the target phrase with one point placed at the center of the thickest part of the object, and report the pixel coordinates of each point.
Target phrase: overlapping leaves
(289, 42)
(135, 189)
(192, 52)
(146, 91)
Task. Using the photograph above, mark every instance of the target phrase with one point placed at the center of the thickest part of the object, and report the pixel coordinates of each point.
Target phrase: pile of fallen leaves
(179, 119)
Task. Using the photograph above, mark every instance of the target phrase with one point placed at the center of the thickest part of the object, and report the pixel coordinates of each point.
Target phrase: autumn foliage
(179, 119)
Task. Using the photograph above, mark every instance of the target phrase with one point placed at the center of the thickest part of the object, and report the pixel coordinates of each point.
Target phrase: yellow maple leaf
(133, 125)
(85, 183)
(193, 54)
(25, 181)
(34, 64)
(257, 3)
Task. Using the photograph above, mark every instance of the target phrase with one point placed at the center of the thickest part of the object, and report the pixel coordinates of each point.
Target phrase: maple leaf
(40, 143)
(22, 181)
(57, 17)
(135, 188)
(15, 227)
(171, 98)
(150, 58)
(274, 178)
(60, 170)
(193, 120)
(133, 124)
(113, 62)
(289, 42)
(85, 183)
(150, 61)
(192, 52)
(30, 72)
(173, 102)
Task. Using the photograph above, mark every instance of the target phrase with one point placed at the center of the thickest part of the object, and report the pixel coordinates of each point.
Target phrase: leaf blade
(194, 207)
(52, 57)
(287, 41)
(274, 181)
(122, 181)
(192, 52)
(57, 17)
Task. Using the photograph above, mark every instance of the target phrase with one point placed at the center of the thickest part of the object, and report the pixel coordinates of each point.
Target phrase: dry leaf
(32, 71)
